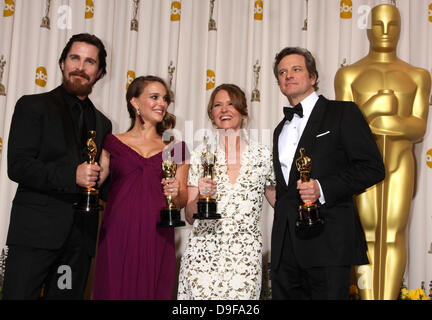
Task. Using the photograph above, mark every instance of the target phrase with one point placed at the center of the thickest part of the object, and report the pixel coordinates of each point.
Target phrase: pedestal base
(88, 201)
(170, 218)
(309, 224)
(207, 210)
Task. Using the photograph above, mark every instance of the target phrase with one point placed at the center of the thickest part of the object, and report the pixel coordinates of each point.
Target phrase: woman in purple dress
(135, 258)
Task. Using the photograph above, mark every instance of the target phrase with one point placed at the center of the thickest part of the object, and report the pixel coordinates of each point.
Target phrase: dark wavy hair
(237, 96)
(309, 61)
(135, 89)
(90, 39)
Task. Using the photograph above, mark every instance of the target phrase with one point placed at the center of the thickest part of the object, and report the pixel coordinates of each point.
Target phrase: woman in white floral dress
(222, 259)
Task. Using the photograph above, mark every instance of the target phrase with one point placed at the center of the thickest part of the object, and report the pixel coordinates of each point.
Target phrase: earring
(139, 116)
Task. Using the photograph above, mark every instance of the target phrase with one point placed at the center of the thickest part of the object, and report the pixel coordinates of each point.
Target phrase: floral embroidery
(222, 259)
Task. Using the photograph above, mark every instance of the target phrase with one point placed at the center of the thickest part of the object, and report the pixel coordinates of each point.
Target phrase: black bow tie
(289, 112)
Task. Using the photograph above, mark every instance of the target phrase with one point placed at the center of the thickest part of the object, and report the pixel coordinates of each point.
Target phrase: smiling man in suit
(345, 161)
(49, 242)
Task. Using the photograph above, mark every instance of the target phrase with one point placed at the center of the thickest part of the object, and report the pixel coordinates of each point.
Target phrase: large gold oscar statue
(393, 97)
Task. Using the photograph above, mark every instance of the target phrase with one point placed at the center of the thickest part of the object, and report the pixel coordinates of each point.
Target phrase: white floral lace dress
(222, 259)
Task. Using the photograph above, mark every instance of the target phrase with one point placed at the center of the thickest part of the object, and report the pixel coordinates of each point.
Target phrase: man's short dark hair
(90, 39)
(309, 59)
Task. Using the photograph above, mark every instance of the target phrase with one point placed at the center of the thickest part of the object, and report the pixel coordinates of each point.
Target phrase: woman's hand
(170, 187)
(206, 187)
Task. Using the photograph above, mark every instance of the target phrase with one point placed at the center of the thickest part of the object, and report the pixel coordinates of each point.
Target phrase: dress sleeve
(270, 177)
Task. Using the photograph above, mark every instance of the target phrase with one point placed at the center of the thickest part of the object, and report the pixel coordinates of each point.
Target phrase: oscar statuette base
(170, 218)
(88, 201)
(207, 210)
(309, 224)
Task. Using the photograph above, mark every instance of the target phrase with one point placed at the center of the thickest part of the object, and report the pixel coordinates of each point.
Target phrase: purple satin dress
(135, 258)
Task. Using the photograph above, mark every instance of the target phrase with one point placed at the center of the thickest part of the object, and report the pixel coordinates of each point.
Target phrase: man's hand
(87, 174)
(309, 192)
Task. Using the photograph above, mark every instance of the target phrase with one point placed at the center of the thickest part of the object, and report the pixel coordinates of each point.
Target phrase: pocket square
(323, 134)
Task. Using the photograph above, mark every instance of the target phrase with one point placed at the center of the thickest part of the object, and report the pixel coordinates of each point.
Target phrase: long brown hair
(134, 91)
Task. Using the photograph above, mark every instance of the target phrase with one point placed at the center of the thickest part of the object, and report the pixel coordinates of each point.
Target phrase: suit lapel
(308, 137)
(68, 129)
(276, 163)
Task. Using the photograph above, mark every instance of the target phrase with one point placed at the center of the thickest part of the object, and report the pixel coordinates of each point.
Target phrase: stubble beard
(75, 87)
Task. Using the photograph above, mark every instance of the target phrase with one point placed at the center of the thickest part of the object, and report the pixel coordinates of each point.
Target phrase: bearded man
(50, 243)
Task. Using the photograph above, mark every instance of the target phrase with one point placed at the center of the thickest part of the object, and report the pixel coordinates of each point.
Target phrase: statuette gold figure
(2, 65)
(256, 96)
(212, 22)
(46, 20)
(393, 97)
(134, 21)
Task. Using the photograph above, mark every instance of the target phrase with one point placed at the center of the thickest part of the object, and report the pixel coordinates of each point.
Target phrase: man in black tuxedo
(49, 242)
(345, 161)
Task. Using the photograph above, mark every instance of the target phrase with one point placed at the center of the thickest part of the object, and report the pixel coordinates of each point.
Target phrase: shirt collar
(308, 103)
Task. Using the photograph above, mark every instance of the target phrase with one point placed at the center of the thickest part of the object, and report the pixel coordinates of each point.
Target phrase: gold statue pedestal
(88, 200)
(170, 218)
(309, 223)
(207, 209)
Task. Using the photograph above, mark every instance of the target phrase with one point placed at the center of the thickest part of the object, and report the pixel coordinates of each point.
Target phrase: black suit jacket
(43, 154)
(345, 160)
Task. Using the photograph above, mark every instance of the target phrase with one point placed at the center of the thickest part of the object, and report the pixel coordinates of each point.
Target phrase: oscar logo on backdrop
(346, 8)
(258, 10)
(89, 10)
(211, 79)
(393, 96)
(9, 8)
(130, 76)
(430, 12)
(41, 77)
(175, 11)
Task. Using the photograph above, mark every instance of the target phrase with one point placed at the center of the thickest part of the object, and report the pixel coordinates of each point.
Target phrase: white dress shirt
(290, 137)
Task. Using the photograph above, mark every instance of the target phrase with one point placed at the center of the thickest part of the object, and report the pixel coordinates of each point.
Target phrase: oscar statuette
(89, 197)
(2, 87)
(207, 205)
(309, 224)
(170, 214)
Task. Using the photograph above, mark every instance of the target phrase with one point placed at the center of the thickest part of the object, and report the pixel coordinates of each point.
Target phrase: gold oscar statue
(170, 214)
(309, 224)
(212, 22)
(207, 205)
(89, 196)
(46, 20)
(393, 97)
(171, 70)
(2, 65)
(134, 22)
(256, 96)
